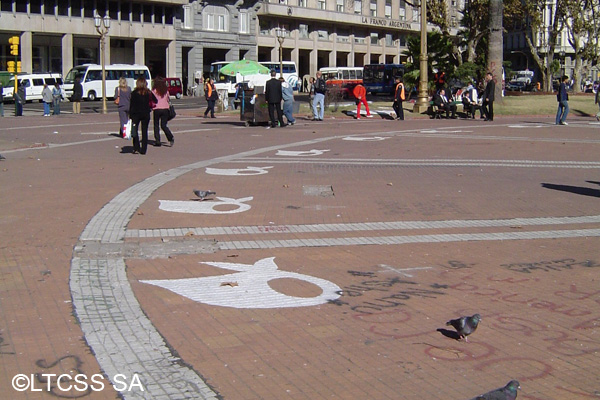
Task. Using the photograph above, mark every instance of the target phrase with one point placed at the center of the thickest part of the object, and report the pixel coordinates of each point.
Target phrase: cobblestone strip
(353, 241)
(431, 162)
(361, 226)
(114, 325)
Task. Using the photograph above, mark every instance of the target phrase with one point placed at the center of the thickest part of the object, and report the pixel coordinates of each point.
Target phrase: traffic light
(14, 45)
(10, 66)
(18, 66)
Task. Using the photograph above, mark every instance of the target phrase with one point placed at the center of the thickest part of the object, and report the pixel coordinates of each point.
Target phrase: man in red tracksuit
(361, 97)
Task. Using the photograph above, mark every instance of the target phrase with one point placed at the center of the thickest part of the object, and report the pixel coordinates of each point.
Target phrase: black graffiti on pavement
(551, 265)
(377, 294)
(70, 365)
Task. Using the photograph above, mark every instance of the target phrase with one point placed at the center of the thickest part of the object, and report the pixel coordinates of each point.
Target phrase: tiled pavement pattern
(395, 296)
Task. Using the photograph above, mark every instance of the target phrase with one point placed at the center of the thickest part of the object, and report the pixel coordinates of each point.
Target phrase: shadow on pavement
(573, 189)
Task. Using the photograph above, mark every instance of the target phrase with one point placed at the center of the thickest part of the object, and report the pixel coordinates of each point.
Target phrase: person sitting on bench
(442, 103)
(469, 100)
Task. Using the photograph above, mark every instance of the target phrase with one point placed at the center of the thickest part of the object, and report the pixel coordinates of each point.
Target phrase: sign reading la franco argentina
(387, 23)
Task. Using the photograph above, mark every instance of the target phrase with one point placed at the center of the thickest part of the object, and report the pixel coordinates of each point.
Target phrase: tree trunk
(496, 46)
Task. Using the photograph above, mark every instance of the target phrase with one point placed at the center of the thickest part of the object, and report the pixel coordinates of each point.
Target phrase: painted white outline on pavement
(238, 171)
(365, 139)
(205, 207)
(248, 288)
(290, 153)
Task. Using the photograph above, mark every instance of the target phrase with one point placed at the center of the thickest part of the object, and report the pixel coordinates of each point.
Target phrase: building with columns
(56, 35)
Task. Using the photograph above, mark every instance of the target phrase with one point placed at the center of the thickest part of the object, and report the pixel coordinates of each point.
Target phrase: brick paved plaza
(325, 267)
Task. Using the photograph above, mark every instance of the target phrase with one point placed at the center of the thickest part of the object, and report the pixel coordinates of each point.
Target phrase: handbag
(172, 113)
(127, 130)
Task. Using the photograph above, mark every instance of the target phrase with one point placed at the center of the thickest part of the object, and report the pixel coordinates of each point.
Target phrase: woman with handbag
(161, 111)
(211, 98)
(139, 112)
(122, 97)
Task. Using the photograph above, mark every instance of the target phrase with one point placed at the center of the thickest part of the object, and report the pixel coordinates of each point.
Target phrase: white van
(33, 83)
(90, 76)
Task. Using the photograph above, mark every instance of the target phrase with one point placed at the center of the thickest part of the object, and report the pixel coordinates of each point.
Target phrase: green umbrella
(244, 67)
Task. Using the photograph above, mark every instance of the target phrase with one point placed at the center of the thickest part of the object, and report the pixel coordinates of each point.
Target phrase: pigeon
(465, 325)
(2, 157)
(508, 392)
(203, 194)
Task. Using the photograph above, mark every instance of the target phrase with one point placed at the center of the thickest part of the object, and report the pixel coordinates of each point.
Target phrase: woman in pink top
(161, 111)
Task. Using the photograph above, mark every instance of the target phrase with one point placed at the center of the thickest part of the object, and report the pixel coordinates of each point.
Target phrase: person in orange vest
(360, 93)
(399, 97)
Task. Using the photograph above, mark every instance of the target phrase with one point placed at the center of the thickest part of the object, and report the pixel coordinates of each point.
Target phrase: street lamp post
(422, 103)
(526, 58)
(280, 32)
(102, 26)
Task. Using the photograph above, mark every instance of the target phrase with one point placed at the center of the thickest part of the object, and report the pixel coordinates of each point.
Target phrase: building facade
(56, 35)
(183, 37)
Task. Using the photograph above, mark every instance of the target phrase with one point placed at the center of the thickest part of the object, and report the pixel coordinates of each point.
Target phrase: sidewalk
(326, 265)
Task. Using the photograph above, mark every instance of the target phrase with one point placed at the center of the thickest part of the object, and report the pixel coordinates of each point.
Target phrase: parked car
(175, 87)
(516, 86)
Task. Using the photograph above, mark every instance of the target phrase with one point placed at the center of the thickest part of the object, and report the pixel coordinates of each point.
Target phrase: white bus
(33, 84)
(290, 71)
(90, 76)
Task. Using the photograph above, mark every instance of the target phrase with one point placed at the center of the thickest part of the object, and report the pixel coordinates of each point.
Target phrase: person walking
(487, 105)
(139, 112)
(320, 89)
(56, 99)
(311, 92)
(122, 100)
(77, 96)
(596, 101)
(399, 97)
(20, 97)
(161, 111)
(360, 93)
(210, 92)
(47, 99)
(273, 97)
(288, 101)
(1, 100)
(563, 102)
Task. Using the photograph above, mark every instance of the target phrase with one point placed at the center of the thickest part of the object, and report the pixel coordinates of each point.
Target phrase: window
(339, 6)
(357, 7)
(35, 6)
(148, 11)
(75, 8)
(244, 19)
(323, 35)
(322, 4)
(303, 31)
(301, 3)
(216, 18)
(49, 6)
(388, 9)
(88, 8)
(136, 11)
(374, 38)
(373, 8)
(187, 17)
(21, 6)
(63, 8)
(389, 40)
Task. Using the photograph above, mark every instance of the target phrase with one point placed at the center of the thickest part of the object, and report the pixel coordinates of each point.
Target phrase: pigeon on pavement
(2, 157)
(465, 325)
(203, 194)
(508, 392)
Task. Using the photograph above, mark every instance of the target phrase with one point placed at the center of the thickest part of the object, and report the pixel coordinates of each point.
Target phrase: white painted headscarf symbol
(238, 172)
(205, 207)
(251, 288)
(290, 153)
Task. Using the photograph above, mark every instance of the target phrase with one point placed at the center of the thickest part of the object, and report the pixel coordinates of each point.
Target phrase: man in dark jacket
(487, 105)
(273, 97)
(441, 101)
(399, 97)
(563, 102)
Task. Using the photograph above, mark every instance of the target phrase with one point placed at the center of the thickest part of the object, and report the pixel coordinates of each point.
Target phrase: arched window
(215, 18)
